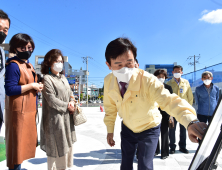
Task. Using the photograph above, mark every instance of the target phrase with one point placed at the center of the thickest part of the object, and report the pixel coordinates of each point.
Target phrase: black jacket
(168, 87)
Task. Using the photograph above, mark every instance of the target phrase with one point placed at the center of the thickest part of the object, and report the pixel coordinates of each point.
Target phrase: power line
(212, 57)
(99, 63)
(42, 40)
(46, 35)
(99, 67)
(196, 58)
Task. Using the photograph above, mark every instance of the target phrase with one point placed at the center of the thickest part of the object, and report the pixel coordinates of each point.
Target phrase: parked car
(98, 101)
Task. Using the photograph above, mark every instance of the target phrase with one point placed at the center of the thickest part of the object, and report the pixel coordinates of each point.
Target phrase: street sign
(71, 80)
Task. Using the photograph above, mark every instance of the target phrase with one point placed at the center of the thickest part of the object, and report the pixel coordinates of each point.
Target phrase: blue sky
(163, 31)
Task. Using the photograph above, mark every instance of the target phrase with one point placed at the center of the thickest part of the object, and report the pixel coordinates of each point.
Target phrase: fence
(194, 78)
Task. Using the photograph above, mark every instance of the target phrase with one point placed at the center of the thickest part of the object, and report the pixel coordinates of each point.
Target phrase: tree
(81, 96)
(88, 97)
(101, 97)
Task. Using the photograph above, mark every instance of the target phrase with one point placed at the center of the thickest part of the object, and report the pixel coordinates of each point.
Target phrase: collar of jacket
(134, 85)
(211, 85)
(181, 81)
(54, 75)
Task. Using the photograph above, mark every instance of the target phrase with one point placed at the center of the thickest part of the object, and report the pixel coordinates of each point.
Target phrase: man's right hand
(110, 140)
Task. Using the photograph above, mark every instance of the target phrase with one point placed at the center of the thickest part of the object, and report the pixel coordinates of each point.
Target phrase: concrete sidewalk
(91, 151)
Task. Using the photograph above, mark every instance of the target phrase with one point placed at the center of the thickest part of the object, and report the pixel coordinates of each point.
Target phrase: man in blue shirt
(4, 27)
(206, 97)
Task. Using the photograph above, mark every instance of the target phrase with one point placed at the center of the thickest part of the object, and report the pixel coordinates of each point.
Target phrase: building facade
(151, 68)
(76, 78)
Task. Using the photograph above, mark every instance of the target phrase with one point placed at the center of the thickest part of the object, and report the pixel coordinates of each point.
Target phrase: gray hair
(206, 73)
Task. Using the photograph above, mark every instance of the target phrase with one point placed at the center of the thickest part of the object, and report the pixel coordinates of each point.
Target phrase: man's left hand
(196, 130)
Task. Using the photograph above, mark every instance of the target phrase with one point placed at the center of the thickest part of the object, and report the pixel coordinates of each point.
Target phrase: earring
(50, 71)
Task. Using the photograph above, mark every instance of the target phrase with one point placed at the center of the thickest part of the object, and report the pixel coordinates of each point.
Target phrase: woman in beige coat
(57, 125)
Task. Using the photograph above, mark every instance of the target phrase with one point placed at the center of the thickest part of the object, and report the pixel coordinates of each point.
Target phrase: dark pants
(203, 118)
(182, 142)
(164, 137)
(16, 167)
(146, 142)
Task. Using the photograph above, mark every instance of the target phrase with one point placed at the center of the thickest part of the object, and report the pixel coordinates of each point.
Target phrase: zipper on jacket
(209, 105)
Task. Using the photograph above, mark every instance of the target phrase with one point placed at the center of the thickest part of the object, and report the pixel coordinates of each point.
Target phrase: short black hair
(3, 15)
(20, 40)
(160, 71)
(178, 66)
(118, 47)
(136, 61)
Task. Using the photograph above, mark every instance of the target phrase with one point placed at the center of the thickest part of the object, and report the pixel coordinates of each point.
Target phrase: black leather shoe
(172, 151)
(164, 157)
(156, 154)
(184, 150)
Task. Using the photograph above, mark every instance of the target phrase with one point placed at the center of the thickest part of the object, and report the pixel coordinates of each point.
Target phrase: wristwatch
(192, 122)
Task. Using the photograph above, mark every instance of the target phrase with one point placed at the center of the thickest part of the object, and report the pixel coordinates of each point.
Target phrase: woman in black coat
(162, 75)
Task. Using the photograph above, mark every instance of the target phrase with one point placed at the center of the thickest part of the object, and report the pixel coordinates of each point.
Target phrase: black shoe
(184, 150)
(172, 151)
(156, 154)
(164, 157)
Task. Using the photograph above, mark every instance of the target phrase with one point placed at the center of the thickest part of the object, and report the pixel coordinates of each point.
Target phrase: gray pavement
(91, 151)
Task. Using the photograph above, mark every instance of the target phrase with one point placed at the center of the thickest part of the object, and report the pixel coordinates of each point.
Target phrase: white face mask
(161, 80)
(58, 67)
(177, 75)
(207, 82)
(124, 74)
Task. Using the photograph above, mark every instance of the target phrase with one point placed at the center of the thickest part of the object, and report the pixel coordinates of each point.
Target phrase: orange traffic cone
(101, 108)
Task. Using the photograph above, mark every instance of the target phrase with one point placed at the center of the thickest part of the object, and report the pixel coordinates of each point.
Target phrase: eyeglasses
(26, 48)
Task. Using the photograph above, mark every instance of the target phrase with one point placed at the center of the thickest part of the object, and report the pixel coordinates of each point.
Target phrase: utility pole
(194, 62)
(85, 59)
(79, 88)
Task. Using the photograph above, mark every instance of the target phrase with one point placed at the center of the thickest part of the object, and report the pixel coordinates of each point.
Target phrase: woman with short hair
(21, 102)
(57, 125)
(162, 75)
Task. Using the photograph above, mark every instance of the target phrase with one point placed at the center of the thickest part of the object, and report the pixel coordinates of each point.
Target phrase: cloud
(204, 12)
(213, 17)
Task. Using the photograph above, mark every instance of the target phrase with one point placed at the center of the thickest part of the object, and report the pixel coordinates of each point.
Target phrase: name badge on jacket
(181, 90)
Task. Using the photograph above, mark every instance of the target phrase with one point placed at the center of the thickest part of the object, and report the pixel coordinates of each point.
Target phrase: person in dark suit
(162, 75)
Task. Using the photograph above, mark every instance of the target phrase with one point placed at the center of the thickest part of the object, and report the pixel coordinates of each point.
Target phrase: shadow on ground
(38, 160)
(112, 156)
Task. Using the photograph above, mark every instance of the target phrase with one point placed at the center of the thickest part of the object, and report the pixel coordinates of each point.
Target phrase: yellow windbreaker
(139, 106)
(183, 90)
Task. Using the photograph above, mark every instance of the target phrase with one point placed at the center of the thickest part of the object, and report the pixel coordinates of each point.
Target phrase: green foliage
(101, 97)
(81, 96)
(2, 152)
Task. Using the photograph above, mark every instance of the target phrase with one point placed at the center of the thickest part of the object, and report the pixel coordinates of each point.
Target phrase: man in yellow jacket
(136, 95)
(181, 87)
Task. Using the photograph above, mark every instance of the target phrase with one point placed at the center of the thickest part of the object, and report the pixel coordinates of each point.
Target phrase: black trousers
(146, 142)
(203, 118)
(183, 136)
(164, 136)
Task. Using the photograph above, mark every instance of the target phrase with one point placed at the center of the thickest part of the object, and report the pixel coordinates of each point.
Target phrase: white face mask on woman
(58, 67)
(124, 74)
(161, 80)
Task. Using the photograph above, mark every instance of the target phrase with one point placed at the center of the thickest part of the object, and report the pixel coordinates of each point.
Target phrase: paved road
(91, 152)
